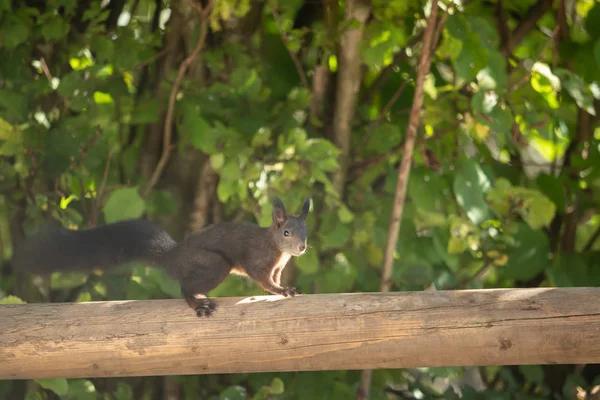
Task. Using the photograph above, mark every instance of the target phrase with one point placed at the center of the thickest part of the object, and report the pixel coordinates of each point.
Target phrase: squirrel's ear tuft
(305, 208)
(279, 213)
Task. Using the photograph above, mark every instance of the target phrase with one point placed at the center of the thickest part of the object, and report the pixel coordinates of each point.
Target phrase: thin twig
(374, 160)
(46, 69)
(83, 150)
(480, 272)
(293, 56)
(588, 246)
(385, 74)
(86, 147)
(409, 145)
(526, 25)
(168, 127)
(97, 204)
(404, 168)
(525, 78)
(375, 123)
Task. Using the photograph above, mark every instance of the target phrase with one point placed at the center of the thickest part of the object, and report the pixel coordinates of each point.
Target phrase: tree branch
(385, 74)
(348, 84)
(205, 197)
(293, 56)
(526, 25)
(588, 246)
(168, 127)
(404, 168)
(382, 114)
(409, 145)
(97, 204)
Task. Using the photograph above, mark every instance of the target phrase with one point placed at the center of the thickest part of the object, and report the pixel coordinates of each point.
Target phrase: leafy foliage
(503, 191)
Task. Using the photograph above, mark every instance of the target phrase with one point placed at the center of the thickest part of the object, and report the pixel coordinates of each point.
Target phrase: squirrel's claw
(289, 292)
(204, 307)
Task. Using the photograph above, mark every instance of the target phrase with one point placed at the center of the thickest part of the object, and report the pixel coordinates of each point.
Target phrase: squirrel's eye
(286, 233)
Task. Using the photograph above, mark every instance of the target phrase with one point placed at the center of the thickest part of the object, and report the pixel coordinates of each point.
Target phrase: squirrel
(199, 263)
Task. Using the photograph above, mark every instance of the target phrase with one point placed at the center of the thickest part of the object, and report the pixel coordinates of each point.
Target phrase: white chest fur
(283, 260)
(279, 264)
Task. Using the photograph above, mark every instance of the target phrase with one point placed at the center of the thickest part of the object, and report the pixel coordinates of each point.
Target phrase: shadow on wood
(309, 332)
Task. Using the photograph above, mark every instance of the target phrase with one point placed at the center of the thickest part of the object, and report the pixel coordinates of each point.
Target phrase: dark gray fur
(200, 262)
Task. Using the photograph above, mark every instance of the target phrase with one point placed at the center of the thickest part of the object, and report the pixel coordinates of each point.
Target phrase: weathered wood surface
(309, 332)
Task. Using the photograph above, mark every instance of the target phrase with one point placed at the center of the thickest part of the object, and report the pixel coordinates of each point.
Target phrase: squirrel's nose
(303, 247)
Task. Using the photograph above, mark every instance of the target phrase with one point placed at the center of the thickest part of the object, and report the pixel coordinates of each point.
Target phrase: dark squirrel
(200, 262)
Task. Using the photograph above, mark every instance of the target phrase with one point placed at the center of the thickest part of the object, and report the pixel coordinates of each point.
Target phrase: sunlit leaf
(124, 204)
(60, 386)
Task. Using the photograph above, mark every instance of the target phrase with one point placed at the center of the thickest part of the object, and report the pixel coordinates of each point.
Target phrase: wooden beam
(309, 332)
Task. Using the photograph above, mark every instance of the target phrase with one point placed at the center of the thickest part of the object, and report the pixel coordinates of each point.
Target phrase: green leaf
(577, 89)
(470, 185)
(14, 31)
(528, 255)
(308, 263)
(229, 184)
(200, 133)
(81, 389)
(393, 134)
(428, 187)
(11, 148)
(344, 214)
(55, 28)
(473, 56)
(484, 101)
(340, 278)
(497, 197)
(333, 234)
(103, 48)
(262, 138)
(161, 202)
(321, 152)
(571, 270)
(499, 119)
(124, 391)
(234, 393)
(166, 284)
(145, 112)
(246, 82)
(457, 245)
(535, 208)
(5, 5)
(67, 280)
(12, 300)
(60, 386)
(533, 373)
(592, 22)
(124, 204)
(277, 386)
(493, 76)
(553, 187)
(413, 272)
(9, 131)
(217, 161)
(13, 105)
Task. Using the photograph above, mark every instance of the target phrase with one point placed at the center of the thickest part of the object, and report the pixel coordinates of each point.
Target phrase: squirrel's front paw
(205, 307)
(202, 305)
(289, 292)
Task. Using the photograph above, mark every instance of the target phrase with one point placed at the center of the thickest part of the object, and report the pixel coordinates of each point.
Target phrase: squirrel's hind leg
(209, 269)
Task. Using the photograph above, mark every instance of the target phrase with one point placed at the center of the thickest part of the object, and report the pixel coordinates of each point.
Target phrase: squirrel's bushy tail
(55, 248)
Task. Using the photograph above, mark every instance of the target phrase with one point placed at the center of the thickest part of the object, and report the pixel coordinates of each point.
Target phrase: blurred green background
(503, 190)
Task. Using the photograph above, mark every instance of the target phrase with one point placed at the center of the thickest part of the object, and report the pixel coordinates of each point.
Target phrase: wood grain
(308, 332)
